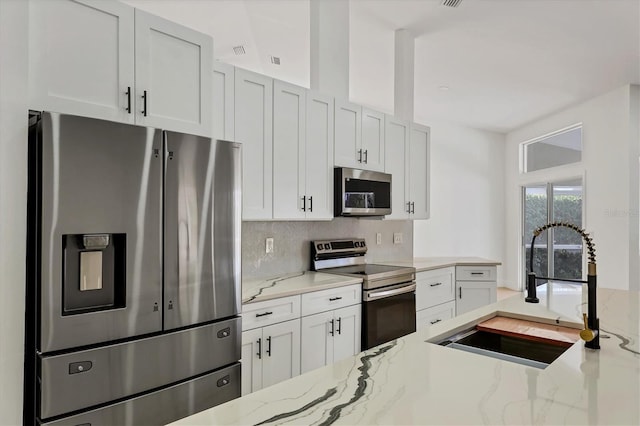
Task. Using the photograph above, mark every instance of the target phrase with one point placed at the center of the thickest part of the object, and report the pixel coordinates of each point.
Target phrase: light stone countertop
(428, 263)
(257, 290)
(410, 381)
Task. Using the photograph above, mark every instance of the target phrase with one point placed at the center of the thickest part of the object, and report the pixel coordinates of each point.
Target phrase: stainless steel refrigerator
(133, 278)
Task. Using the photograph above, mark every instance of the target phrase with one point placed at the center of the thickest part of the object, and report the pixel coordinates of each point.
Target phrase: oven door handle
(375, 295)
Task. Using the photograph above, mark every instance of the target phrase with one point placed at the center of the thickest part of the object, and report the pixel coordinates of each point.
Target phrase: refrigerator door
(201, 229)
(101, 203)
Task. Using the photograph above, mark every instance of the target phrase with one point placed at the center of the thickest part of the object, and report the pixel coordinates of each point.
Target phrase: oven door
(388, 313)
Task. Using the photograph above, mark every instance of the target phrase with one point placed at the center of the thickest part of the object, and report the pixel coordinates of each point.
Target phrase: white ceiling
(506, 62)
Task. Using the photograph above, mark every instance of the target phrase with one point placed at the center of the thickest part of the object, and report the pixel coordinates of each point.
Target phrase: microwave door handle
(374, 295)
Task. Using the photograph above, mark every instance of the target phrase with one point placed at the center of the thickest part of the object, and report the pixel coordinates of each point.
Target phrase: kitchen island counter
(429, 263)
(410, 381)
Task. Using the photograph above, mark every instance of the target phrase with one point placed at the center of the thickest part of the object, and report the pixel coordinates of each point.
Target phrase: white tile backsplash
(292, 249)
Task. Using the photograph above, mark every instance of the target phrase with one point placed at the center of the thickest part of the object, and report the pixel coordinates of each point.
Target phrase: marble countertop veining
(428, 263)
(257, 290)
(411, 381)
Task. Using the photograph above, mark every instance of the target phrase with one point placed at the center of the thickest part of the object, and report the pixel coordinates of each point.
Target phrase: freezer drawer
(177, 401)
(79, 380)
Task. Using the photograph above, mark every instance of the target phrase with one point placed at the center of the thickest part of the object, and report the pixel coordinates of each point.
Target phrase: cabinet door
(223, 101)
(396, 163)
(281, 353)
(81, 58)
(348, 134)
(252, 352)
(372, 140)
(173, 76)
(319, 156)
(419, 171)
(317, 341)
(474, 294)
(253, 128)
(435, 287)
(289, 117)
(347, 336)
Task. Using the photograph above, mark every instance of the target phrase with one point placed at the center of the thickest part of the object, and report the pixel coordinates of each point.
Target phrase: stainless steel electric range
(388, 292)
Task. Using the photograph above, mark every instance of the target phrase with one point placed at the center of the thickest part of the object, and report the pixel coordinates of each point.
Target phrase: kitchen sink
(536, 345)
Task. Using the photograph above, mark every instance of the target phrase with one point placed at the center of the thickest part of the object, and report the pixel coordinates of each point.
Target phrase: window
(557, 149)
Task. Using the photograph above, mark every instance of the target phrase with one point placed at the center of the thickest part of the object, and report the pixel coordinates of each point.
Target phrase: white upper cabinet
(319, 156)
(253, 128)
(397, 134)
(81, 58)
(108, 60)
(173, 76)
(290, 200)
(223, 101)
(348, 134)
(407, 160)
(419, 152)
(372, 140)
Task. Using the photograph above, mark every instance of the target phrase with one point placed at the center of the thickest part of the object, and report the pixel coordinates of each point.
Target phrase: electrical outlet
(378, 238)
(397, 238)
(269, 246)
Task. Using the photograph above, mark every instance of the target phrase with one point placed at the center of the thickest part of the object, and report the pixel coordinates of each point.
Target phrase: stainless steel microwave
(361, 192)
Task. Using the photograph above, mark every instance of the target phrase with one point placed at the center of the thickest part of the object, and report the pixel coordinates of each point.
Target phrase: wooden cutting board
(547, 333)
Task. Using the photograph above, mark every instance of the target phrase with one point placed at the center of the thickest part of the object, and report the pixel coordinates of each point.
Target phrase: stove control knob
(361, 243)
(327, 246)
(319, 246)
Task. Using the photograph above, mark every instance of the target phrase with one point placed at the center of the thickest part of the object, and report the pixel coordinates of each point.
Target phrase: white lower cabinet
(476, 286)
(330, 336)
(270, 355)
(435, 314)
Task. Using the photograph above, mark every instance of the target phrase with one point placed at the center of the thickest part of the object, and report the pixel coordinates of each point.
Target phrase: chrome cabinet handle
(413, 207)
(339, 325)
(264, 314)
(304, 203)
(311, 203)
(359, 156)
(128, 93)
(332, 332)
(269, 345)
(460, 292)
(436, 321)
(409, 207)
(477, 273)
(331, 299)
(366, 156)
(435, 284)
(144, 103)
(259, 348)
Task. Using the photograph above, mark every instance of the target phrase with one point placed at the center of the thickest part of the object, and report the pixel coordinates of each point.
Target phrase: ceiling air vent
(239, 50)
(275, 60)
(451, 3)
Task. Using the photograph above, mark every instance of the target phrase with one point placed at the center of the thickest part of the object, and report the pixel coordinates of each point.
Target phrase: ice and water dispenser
(93, 272)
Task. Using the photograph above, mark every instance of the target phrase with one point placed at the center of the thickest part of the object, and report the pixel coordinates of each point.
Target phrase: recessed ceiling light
(443, 88)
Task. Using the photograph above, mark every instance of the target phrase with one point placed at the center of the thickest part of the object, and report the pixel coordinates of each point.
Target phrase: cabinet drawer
(270, 312)
(434, 287)
(475, 273)
(333, 298)
(430, 316)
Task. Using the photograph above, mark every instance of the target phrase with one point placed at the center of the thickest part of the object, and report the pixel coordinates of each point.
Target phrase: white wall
(610, 171)
(467, 195)
(13, 192)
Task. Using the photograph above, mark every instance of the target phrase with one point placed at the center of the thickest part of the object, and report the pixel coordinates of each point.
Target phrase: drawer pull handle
(435, 284)
(435, 321)
(264, 314)
(477, 273)
(333, 299)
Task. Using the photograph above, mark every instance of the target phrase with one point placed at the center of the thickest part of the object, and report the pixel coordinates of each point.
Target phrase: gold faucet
(590, 334)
